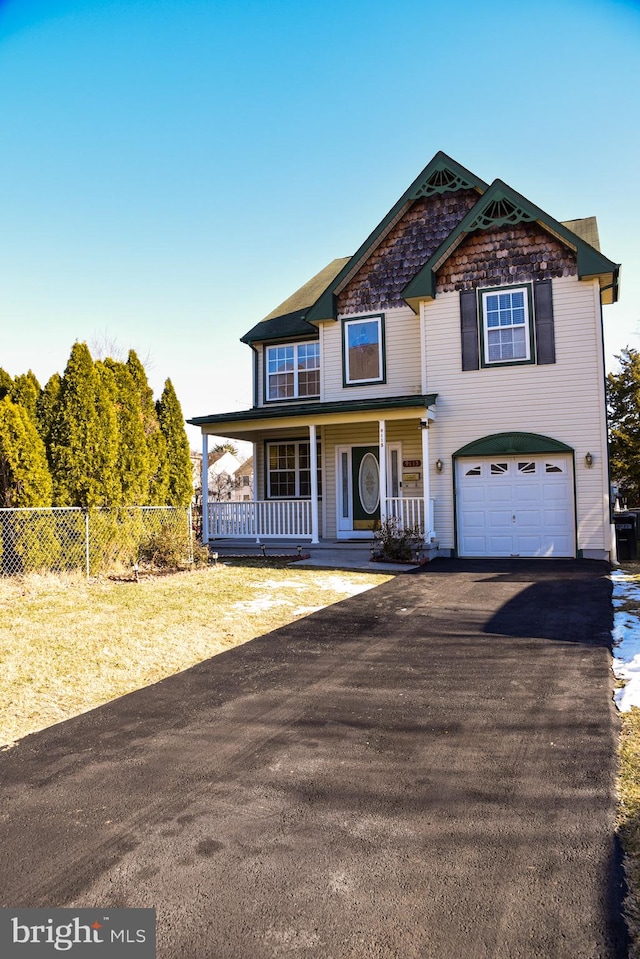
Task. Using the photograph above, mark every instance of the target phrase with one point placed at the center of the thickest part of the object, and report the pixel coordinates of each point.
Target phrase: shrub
(394, 541)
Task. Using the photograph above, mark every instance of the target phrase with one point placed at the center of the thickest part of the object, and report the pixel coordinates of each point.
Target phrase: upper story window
(293, 371)
(363, 350)
(506, 325)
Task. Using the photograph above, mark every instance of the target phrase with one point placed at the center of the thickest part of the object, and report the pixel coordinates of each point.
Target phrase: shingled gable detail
(500, 210)
(441, 176)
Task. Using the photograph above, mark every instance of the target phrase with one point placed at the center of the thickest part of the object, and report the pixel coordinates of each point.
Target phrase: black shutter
(469, 330)
(543, 309)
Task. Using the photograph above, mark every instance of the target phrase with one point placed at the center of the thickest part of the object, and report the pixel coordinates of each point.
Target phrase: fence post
(86, 542)
(190, 522)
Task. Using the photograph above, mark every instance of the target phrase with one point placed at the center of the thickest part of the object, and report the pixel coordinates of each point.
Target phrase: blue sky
(171, 170)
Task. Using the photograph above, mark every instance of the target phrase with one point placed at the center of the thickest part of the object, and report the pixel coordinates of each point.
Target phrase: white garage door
(515, 506)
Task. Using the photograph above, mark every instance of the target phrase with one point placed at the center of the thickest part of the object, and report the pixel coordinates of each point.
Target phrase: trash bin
(626, 541)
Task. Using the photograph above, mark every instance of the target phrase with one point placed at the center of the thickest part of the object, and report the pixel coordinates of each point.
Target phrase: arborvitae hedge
(24, 475)
(91, 438)
(180, 482)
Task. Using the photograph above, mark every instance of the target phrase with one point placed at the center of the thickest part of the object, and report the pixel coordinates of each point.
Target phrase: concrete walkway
(424, 771)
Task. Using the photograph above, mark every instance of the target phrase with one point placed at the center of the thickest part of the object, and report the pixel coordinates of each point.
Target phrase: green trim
(480, 292)
(378, 404)
(502, 205)
(289, 326)
(441, 175)
(512, 444)
(347, 321)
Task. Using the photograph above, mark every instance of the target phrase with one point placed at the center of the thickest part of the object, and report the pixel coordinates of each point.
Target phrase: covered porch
(351, 466)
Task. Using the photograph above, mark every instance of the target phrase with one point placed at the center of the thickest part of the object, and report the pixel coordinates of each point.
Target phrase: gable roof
(441, 175)
(497, 204)
(501, 205)
(287, 320)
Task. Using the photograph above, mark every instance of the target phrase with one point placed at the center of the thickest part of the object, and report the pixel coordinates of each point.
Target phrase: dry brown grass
(629, 820)
(629, 794)
(68, 645)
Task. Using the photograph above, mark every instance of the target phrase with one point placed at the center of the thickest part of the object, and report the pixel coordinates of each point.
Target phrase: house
(229, 477)
(449, 374)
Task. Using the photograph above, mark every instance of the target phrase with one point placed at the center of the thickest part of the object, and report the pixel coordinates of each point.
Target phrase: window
(289, 470)
(293, 371)
(506, 327)
(363, 350)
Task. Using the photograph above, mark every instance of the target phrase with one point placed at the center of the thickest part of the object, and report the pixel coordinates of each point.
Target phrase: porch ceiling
(247, 423)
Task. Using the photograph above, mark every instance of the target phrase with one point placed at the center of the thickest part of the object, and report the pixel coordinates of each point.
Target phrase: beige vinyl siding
(403, 368)
(563, 400)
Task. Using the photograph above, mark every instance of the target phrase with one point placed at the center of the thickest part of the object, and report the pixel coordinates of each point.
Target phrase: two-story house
(450, 373)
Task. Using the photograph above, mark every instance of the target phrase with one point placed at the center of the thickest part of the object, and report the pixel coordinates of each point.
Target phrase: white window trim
(496, 291)
(352, 321)
(296, 391)
(296, 469)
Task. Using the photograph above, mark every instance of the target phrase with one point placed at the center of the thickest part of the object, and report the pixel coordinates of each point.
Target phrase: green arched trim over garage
(512, 444)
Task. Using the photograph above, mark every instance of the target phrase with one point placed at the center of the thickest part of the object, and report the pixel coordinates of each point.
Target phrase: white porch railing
(408, 511)
(283, 519)
(291, 519)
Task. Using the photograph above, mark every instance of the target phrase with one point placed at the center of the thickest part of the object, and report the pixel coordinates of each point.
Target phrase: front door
(365, 483)
(358, 487)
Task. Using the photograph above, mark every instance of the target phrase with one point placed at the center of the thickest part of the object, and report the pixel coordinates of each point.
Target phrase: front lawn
(68, 645)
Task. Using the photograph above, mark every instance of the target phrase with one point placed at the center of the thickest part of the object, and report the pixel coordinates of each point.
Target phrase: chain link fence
(94, 541)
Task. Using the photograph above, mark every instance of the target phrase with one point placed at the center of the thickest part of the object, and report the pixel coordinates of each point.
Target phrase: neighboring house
(230, 479)
(450, 373)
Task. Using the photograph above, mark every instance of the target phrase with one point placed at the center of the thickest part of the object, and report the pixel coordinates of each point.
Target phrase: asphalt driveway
(424, 770)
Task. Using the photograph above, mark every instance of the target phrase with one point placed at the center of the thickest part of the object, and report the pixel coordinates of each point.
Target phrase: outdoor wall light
(439, 465)
(588, 460)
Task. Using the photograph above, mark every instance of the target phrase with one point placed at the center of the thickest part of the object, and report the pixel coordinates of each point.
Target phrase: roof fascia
(500, 206)
(266, 413)
(441, 175)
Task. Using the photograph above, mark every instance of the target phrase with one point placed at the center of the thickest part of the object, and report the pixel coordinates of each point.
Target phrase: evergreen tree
(180, 480)
(83, 441)
(6, 384)
(46, 407)
(156, 443)
(24, 475)
(623, 402)
(132, 464)
(25, 393)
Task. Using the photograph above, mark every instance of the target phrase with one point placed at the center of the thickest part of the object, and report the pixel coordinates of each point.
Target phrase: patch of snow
(626, 642)
(261, 604)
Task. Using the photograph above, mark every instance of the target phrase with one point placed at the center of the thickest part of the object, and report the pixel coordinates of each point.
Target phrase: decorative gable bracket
(501, 206)
(445, 178)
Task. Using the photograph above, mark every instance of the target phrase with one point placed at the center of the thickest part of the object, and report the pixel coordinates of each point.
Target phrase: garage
(515, 505)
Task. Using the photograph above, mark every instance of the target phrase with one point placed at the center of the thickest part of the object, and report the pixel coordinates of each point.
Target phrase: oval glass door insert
(369, 483)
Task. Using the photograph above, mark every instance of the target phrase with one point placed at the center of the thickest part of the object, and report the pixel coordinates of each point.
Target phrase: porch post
(313, 464)
(383, 469)
(205, 488)
(426, 472)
